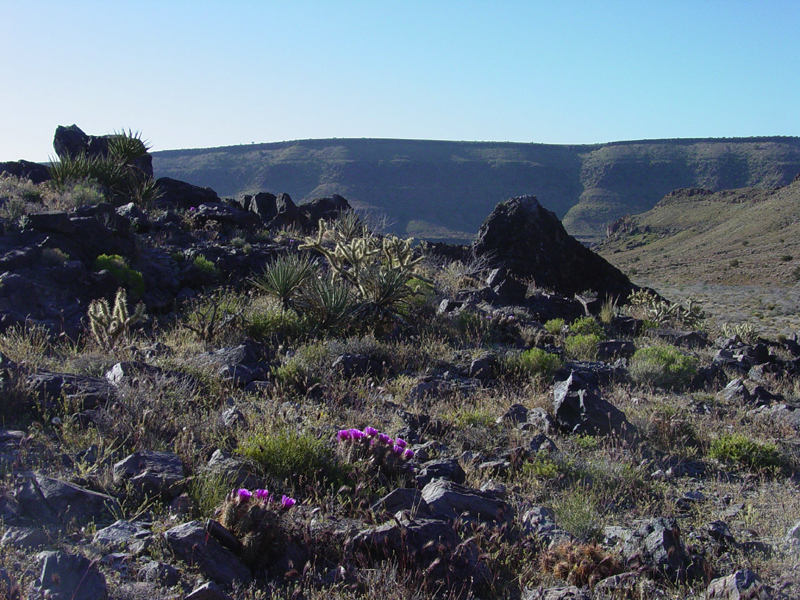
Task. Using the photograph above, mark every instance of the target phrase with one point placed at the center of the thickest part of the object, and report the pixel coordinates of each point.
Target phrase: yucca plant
(283, 277)
(117, 171)
(326, 302)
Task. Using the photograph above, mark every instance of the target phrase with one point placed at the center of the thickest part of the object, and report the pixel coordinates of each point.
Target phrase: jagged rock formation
(531, 242)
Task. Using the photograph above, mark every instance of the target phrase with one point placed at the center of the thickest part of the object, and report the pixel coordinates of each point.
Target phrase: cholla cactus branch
(108, 325)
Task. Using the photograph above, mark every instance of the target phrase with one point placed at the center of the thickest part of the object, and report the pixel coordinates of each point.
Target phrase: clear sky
(193, 73)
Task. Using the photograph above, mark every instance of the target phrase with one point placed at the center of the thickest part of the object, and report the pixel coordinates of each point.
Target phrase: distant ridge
(444, 189)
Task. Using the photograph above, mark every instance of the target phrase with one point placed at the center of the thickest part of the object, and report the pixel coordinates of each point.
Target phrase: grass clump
(534, 363)
(738, 448)
(582, 346)
(287, 456)
(662, 366)
(284, 276)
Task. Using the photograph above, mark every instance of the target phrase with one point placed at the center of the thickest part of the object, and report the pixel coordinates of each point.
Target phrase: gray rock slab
(54, 501)
(25, 538)
(192, 543)
(70, 577)
(151, 473)
(449, 500)
(741, 585)
(123, 535)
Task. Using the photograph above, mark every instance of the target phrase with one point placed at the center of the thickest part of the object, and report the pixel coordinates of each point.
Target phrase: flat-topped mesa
(531, 242)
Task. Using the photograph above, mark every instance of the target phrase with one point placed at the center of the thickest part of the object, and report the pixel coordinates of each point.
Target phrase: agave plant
(283, 277)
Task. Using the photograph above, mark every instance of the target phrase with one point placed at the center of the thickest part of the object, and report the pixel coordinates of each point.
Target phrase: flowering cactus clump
(390, 457)
(258, 520)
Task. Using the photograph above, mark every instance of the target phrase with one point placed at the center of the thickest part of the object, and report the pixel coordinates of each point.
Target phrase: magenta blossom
(357, 434)
(400, 442)
(370, 431)
(287, 502)
(244, 494)
(344, 434)
(408, 454)
(385, 439)
(262, 495)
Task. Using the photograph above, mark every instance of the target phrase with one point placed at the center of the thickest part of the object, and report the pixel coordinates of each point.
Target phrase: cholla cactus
(109, 325)
(257, 520)
(390, 457)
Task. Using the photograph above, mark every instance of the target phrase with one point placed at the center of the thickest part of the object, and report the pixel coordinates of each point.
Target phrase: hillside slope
(740, 237)
(443, 190)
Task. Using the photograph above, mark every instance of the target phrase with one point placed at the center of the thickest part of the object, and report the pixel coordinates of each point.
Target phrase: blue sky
(191, 74)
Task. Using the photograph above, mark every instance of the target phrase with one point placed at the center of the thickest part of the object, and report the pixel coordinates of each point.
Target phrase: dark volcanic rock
(183, 195)
(70, 577)
(54, 501)
(24, 169)
(533, 244)
(151, 473)
(580, 409)
(322, 208)
(192, 543)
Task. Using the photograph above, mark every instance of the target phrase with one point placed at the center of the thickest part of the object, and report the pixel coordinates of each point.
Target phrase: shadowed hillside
(443, 190)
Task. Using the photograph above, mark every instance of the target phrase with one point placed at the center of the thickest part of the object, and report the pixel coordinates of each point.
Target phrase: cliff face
(443, 190)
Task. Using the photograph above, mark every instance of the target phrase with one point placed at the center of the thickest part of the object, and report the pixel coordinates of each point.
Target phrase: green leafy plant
(118, 267)
(205, 265)
(587, 326)
(326, 302)
(109, 325)
(662, 366)
(555, 326)
(738, 448)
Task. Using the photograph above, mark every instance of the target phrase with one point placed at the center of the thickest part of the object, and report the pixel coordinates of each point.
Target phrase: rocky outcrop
(532, 244)
(25, 169)
(71, 142)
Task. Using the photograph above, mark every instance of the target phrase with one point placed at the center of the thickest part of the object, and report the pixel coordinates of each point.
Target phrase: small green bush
(587, 326)
(555, 326)
(662, 366)
(287, 455)
(283, 277)
(533, 363)
(738, 448)
(118, 267)
(582, 346)
(205, 265)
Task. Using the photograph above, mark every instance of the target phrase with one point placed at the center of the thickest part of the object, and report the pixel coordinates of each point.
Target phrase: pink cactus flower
(400, 442)
(287, 502)
(408, 454)
(262, 495)
(370, 431)
(244, 494)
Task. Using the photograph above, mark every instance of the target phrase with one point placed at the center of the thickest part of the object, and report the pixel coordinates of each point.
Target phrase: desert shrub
(582, 346)
(204, 265)
(27, 344)
(669, 431)
(738, 448)
(587, 326)
(555, 326)
(288, 455)
(662, 366)
(216, 317)
(208, 490)
(125, 276)
(269, 321)
(54, 257)
(608, 310)
(473, 417)
(535, 363)
(577, 512)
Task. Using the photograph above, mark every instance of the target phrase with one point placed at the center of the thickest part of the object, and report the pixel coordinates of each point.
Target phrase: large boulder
(532, 244)
(183, 195)
(580, 409)
(322, 208)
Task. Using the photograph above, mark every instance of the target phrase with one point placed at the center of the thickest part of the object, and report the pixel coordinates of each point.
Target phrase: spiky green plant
(109, 325)
(326, 302)
(283, 277)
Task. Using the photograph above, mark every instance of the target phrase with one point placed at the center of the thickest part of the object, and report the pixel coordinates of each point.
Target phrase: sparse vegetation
(662, 366)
